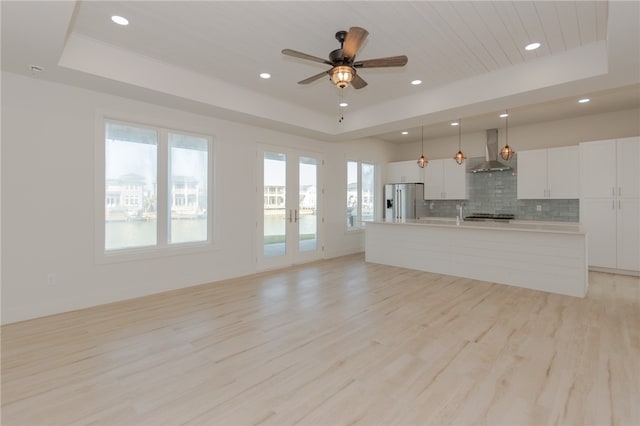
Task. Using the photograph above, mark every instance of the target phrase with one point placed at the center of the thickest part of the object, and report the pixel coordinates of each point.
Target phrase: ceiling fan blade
(296, 54)
(358, 82)
(313, 78)
(392, 61)
(353, 41)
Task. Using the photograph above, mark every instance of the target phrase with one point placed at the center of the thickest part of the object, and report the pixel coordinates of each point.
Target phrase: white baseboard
(615, 271)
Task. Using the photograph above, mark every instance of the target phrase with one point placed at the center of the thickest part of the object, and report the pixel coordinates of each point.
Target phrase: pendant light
(459, 157)
(507, 152)
(422, 161)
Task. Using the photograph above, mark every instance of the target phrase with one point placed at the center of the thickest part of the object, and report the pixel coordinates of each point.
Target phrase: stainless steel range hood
(491, 164)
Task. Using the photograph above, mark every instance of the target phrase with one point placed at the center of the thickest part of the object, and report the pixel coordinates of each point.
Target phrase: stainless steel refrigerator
(401, 200)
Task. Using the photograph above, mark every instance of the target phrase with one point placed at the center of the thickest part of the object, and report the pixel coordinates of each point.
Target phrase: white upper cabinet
(552, 173)
(532, 174)
(404, 172)
(445, 180)
(610, 168)
(454, 180)
(563, 172)
(433, 180)
(628, 176)
(598, 169)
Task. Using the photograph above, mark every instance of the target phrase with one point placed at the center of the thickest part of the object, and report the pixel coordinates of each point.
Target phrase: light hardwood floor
(334, 342)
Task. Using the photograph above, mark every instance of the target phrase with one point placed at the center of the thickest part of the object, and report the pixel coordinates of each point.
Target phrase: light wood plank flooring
(333, 342)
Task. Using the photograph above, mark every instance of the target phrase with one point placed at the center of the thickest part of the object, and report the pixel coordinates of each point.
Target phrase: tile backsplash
(496, 192)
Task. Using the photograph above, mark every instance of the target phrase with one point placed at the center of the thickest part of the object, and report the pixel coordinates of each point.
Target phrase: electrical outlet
(51, 278)
(539, 208)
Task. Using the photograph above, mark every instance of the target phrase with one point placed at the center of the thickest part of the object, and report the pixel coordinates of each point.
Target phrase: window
(360, 193)
(188, 165)
(156, 187)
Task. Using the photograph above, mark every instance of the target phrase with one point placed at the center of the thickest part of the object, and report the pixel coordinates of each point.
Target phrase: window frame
(162, 247)
(360, 225)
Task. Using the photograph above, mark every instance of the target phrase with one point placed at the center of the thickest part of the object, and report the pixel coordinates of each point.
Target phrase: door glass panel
(307, 205)
(274, 212)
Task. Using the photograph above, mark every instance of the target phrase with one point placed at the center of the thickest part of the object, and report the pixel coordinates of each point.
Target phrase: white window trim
(362, 225)
(162, 248)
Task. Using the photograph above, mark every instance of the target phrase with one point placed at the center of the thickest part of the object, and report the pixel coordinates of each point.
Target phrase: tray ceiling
(206, 56)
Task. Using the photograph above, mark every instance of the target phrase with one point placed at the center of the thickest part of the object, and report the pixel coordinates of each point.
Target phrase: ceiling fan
(343, 61)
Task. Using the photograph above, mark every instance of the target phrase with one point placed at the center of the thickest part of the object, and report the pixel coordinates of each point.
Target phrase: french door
(289, 207)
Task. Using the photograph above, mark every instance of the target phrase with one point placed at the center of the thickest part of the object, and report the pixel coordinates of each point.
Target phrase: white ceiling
(205, 57)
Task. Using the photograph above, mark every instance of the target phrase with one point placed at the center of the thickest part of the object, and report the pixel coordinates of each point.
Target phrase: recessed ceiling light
(416, 82)
(532, 46)
(265, 75)
(343, 104)
(405, 133)
(455, 123)
(584, 100)
(504, 115)
(120, 20)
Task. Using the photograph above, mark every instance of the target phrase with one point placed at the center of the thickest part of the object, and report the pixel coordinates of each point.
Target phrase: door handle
(296, 216)
(290, 216)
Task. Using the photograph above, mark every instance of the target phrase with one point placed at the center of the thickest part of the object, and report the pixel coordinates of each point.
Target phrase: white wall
(48, 141)
(546, 134)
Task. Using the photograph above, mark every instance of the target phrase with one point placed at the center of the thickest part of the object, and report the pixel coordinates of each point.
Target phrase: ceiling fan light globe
(342, 75)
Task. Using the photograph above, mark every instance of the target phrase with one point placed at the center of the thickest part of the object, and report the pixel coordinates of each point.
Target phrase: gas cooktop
(489, 217)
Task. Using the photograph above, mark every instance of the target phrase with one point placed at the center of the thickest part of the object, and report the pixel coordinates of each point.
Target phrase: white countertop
(514, 225)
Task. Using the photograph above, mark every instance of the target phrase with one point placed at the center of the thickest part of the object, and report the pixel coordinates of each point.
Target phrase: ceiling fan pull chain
(340, 108)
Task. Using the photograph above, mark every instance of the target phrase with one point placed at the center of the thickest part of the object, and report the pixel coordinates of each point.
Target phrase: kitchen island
(550, 257)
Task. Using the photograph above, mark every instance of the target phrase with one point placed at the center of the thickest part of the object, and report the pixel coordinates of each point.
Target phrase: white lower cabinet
(613, 229)
(599, 217)
(628, 247)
